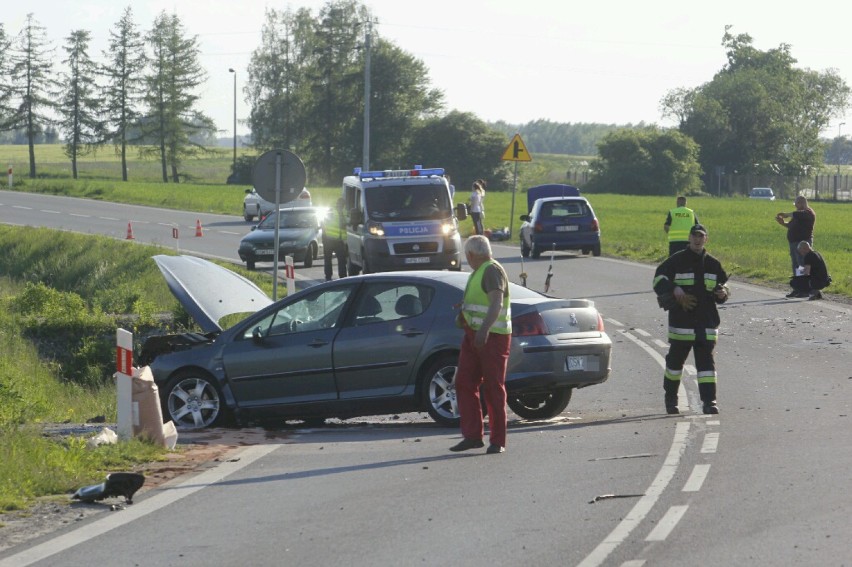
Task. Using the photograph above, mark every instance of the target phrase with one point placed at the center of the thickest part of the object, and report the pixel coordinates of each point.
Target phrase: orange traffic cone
(129, 231)
(198, 228)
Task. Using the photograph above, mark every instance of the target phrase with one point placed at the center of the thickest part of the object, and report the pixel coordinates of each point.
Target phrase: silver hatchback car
(365, 345)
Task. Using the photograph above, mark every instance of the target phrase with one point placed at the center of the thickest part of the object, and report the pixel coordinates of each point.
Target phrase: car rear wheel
(246, 215)
(439, 391)
(540, 406)
(525, 250)
(596, 250)
(193, 401)
(536, 252)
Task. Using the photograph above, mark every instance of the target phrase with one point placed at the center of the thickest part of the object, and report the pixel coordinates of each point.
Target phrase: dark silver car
(299, 235)
(364, 345)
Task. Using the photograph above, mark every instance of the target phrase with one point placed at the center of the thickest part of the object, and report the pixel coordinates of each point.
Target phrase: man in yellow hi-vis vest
(678, 224)
(334, 240)
(486, 317)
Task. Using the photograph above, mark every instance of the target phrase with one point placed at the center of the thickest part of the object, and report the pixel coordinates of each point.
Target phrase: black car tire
(352, 269)
(310, 254)
(192, 400)
(439, 390)
(525, 250)
(536, 252)
(596, 250)
(248, 217)
(250, 264)
(540, 406)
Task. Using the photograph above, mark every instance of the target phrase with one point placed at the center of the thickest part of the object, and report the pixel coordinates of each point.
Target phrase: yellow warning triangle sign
(516, 150)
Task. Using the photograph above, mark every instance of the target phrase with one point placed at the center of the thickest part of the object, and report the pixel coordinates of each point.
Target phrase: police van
(402, 220)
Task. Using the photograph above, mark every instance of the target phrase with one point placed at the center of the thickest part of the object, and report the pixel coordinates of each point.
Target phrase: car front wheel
(310, 254)
(540, 406)
(439, 391)
(193, 401)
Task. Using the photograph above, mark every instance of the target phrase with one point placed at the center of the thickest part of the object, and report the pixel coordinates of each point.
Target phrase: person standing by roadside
(814, 277)
(334, 240)
(677, 225)
(689, 284)
(486, 318)
(477, 208)
(800, 228)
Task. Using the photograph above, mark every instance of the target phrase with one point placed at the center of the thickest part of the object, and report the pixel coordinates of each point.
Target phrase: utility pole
(234, 71)
(367, 48)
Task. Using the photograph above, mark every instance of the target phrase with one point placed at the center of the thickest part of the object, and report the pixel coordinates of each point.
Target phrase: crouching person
(814, 277)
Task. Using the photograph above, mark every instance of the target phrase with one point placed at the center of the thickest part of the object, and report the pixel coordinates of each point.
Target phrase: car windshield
(291, 219)
(408, 202)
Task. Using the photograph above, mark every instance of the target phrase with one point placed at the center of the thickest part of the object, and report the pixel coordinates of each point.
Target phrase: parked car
(255, 206)
(559, 219)
(363, 345)
(299, 235)
(762, 193)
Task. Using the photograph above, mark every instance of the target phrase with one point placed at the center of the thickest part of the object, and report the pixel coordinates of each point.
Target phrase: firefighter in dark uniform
(689, 284)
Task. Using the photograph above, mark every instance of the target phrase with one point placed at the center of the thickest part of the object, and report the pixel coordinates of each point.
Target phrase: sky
(608, 62)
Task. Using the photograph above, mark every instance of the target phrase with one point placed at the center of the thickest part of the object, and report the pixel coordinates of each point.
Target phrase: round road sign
(290, 178)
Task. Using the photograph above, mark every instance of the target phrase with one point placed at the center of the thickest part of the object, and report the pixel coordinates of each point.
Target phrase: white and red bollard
(124, 383)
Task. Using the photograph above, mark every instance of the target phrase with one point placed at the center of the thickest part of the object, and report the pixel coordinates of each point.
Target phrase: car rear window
(564, 209)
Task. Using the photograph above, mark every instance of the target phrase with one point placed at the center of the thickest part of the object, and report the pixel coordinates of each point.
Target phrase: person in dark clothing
(689, 284)
(814, 277)
(800, 227)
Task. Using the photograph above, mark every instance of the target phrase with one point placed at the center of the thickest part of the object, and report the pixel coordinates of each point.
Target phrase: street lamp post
(367, 48)
(839, 146)
(234, 71)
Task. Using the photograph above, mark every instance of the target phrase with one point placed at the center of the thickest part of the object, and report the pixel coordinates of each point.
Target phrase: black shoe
(710, 408)
(466, 444)
(495, 449)
(815, 295)
(671, 404)
(672, 410)
(792, 294)
(802, 294)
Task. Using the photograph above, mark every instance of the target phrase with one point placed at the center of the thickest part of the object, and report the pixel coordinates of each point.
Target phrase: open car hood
(208, 291)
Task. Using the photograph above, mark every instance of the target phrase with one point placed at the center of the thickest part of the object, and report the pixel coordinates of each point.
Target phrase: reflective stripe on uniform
(673, 375)
(681, 334)
(707, 377)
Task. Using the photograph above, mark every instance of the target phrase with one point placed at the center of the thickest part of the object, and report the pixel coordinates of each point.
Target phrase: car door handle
(411, 332)
(316, 343)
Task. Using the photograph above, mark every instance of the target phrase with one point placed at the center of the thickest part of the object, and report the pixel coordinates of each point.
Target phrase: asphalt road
(612, 481)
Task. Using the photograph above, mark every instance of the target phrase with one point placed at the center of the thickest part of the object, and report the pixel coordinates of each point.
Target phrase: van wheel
(596, 250)
(352, 269)
(536, 252)
(310, 254)
(250, 265)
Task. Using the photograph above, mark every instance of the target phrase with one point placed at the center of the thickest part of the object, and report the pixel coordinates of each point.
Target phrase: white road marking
(713, 422)
(22, 207)
(229, 232)
(696, 479)
(162, 497)
(661, 344)
(108, 218)
(614, 322)
(79, 215)
(667, 523)
(50, 212)
(642, 332)
(633, 563)
(711, 442)
(641, 509)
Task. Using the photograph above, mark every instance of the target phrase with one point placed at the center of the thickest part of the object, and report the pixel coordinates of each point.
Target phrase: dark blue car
(559, 219)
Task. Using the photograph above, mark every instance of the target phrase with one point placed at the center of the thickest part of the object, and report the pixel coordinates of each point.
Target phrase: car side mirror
(525, 218)
(248, 191)
(461, 211)
(257, 335)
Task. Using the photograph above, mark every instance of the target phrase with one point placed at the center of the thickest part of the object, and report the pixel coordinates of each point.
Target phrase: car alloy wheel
(193, 401)
(439, 391)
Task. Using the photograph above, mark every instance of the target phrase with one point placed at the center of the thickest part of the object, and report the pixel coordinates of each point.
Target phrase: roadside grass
(61, 300)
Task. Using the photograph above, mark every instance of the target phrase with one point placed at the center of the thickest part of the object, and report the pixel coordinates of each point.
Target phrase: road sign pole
(277, 224)
(514, 188)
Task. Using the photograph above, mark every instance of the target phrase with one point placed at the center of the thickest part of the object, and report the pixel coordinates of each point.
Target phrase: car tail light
(595, 225)
(600, 323)
(528, 325)
(538, 227)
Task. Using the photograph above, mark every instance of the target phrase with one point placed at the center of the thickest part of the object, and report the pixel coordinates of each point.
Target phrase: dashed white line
(696, 479)
(614, 322)
(633, 563)
(642, 332)
(661, 344)
(48, 211)
(22, 207)
(711, 442)
(79, 215)
(641, 509)
(665, 526)
(108, 218)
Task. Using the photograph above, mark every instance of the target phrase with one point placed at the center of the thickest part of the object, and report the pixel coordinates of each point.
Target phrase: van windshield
(408, 202)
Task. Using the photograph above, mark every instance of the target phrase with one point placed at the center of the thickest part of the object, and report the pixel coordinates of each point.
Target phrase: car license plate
(573, 363)
(567, 228)
(417, 260)
(264, 252)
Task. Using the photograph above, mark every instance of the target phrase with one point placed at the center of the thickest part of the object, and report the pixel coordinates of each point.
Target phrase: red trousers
(485, 367)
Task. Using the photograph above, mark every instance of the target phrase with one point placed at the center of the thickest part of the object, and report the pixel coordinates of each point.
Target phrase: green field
(743, 233)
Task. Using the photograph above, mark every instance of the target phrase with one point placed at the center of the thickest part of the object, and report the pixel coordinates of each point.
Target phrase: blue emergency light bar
(418, 171)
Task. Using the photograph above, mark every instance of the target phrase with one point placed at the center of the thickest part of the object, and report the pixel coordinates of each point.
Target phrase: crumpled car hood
(208, 291)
